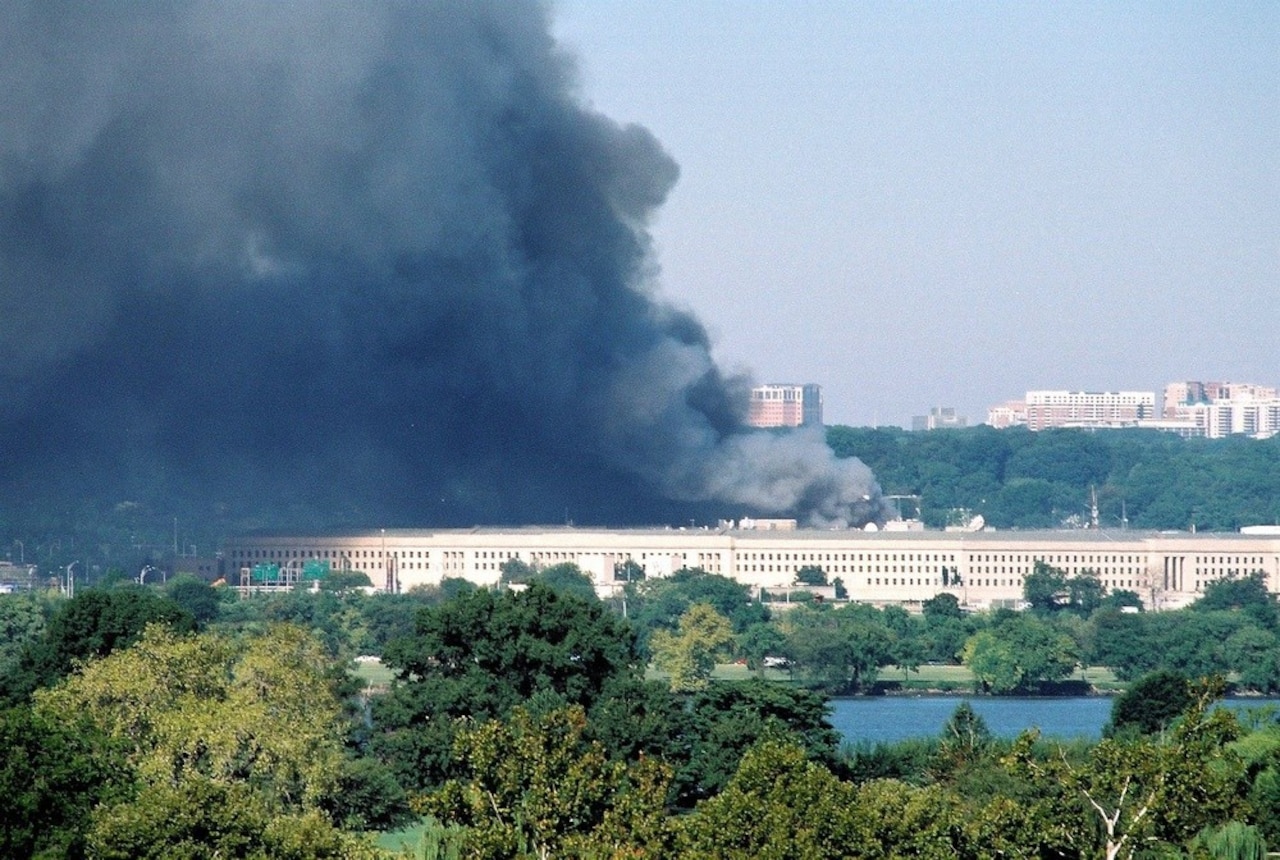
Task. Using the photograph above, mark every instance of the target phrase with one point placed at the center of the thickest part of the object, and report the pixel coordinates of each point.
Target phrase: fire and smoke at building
(376, 259)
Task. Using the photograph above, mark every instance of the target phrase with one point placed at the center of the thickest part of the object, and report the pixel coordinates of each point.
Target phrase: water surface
(878, 719)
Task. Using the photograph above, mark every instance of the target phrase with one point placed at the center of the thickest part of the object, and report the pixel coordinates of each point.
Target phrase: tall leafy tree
(92, 624)
(1247, 593)
(1019, 653)
(536, 787)
(54, 772)
(484, 653)
(210, 723)
(689, 655)
(660, 601)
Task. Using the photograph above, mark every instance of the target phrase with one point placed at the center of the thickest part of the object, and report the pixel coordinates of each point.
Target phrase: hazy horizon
(920, 205)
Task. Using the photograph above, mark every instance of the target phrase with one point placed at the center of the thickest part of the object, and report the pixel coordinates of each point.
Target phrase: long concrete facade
(982, 569)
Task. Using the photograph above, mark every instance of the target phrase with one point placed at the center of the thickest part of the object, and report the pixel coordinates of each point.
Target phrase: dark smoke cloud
(367, 257)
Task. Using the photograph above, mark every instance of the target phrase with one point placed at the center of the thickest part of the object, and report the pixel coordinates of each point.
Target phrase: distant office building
(1218, 409)
(1191, 408)
(1011, 413)
(785, 406)
(939, 417)
(1040, 410)
(1093, 409)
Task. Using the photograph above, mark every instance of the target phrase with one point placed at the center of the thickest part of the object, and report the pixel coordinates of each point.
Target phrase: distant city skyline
(921, 205)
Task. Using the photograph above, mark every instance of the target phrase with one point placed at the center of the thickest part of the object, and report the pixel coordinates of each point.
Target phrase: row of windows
(1117, 571)
(814, 558)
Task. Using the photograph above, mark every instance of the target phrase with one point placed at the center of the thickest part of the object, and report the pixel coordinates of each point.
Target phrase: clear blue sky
(920, 204)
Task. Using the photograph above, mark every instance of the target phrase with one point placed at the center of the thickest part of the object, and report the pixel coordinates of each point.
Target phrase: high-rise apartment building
(1191, 408)
(785, 406)
(1218, 409)
(1089, 408)
(1040, 410)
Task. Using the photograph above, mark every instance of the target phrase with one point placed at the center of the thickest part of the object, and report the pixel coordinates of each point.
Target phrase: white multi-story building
(982, 569)
(1011, 413)
(1088, 408)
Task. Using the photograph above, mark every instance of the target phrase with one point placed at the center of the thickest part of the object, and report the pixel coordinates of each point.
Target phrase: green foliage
(689, 655)
(484, 653)
(204, 819)
(53, 773)
(1048, 589)
(537, 787)
(1017, 478)
(704, 735)
(1247, 594)
(1045, 588)
(1085, 593)
(1254, 654)
(811, 574)
(1153, 791)
(659, 602)
(366, 796)
(759, 641)
(22, 622)
(263, 713)
(966, 730)
(234, 744)
(1018, 653)
(198, 598)
(838, 650)
(516, 572)
(941, 606)
(1264, 799)
(728, 718)
(345, 580)
(628, 571)
(92, 624)
(1230, 841)
(1151, 703)
(567, 578)
(780, 804)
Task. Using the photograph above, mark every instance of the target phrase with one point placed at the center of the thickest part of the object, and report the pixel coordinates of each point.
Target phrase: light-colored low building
(982, 569)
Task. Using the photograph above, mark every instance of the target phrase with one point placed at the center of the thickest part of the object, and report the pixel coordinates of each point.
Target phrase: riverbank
(936, 679)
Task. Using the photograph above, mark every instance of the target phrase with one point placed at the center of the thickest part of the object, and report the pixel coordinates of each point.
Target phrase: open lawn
(933, 676)
(373, 673)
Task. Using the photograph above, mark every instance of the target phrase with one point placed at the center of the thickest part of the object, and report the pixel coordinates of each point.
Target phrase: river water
(882, 719)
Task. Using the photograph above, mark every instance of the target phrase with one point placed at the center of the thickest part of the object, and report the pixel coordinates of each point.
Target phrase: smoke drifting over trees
(374, 257)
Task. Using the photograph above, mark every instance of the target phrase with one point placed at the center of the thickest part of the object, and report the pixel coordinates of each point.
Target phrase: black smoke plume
(374, 259)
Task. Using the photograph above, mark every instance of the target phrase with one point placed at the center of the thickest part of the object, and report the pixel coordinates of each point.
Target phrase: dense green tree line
(185, 723)
(1019, 479)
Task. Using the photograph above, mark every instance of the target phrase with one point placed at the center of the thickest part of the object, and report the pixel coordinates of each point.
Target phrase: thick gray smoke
(371, 257)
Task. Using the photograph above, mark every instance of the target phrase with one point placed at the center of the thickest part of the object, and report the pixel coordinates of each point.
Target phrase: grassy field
(373, 673)
(426, 840)
(946, 678)
(940, 677)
